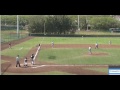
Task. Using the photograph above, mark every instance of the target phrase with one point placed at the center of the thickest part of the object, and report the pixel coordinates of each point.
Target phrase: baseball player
(96, 45)
(82, 37)
(110, 42)
(25, 62)
(32, 57)
(90, 52)
(17, 61)
(52, 44)
(10, 45)
(40, 46)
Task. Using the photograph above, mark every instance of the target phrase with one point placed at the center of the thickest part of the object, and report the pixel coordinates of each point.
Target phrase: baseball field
(69, 56)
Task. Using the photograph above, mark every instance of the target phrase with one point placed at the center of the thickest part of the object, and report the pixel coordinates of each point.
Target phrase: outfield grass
(77, 40)
(84, 32)
(42, 73)
(79, 56)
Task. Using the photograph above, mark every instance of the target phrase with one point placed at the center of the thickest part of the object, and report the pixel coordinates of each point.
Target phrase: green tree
(104, 23)
(36, 24)
(54, 24)
(65, 24)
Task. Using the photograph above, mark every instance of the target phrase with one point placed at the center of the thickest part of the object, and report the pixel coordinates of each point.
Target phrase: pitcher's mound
(98, 54)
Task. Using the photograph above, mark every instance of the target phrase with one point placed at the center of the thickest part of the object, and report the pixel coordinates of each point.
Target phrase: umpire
(18, 61)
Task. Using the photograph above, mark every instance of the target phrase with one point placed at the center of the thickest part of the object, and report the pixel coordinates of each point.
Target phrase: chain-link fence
(10, 35)
(12, 29)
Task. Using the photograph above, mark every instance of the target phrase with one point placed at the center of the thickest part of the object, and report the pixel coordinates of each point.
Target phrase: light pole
(17, 25)
(44, 28)
(78, 23)
(87, 22)
(5, 20)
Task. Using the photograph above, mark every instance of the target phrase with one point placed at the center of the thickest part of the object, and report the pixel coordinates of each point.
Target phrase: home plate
(38, 66)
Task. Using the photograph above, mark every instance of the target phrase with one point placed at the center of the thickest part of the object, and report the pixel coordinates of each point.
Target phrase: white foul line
(36, 54)
(37, 51)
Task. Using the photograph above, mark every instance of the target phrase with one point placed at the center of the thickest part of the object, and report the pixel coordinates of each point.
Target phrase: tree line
(52, 24)
(62, 24)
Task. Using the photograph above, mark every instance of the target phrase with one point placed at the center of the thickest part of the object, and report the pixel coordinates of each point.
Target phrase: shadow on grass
(52, 57)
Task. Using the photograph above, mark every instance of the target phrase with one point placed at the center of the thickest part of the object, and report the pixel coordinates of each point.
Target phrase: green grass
(26, 47)
(96, 32)
(15, 51)
(104, 70)
(78, 40)
(42, 73)
(79, 56)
